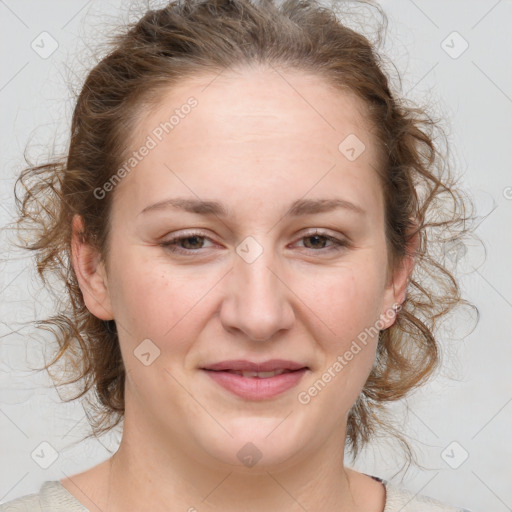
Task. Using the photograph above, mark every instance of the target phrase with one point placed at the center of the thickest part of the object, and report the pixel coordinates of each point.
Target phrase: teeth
(259, 375)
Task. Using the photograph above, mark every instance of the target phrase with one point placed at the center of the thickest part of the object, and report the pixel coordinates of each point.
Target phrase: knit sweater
(54, 497)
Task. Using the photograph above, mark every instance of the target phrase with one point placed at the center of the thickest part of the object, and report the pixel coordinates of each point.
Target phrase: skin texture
(257, 141)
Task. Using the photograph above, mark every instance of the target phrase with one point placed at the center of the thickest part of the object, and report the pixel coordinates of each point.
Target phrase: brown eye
(185, 244)
(192, 242)
(317, 241)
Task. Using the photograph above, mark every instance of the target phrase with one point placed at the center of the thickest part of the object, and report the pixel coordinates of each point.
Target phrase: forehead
(254, 104)
(283, 132)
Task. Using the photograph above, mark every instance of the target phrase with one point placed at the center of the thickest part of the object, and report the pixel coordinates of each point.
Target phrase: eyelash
(171, 245)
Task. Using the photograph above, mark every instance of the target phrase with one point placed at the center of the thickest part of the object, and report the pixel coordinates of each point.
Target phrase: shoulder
(28, 503)
(405, 501)
(52, 496)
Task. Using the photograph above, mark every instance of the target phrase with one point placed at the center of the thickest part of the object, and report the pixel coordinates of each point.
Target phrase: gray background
(460, 423)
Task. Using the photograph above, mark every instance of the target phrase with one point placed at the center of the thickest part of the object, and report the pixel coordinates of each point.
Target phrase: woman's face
(257, 161)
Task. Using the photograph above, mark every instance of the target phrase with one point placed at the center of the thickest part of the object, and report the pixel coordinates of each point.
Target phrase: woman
(244, 210)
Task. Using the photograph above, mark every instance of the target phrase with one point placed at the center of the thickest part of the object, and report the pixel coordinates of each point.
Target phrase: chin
(257, 444)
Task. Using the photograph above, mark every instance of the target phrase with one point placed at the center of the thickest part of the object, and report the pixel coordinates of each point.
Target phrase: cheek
(347, 299)
(348, 307)
(150, 300)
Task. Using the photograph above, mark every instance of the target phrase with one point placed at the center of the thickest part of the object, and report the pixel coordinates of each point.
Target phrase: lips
(256, 381)
(240, 365)
(259, 375)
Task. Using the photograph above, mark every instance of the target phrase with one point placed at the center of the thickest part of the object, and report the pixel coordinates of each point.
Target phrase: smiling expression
(246, 235)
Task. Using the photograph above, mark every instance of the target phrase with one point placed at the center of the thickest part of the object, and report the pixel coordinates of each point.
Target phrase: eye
(184, 244)
(318, 239)
(190, 243)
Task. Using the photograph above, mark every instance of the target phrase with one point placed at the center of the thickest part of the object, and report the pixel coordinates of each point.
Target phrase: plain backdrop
(452, 55)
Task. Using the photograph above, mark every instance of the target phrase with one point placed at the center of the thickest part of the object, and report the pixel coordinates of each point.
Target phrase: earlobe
(397, 290)
(90, 272)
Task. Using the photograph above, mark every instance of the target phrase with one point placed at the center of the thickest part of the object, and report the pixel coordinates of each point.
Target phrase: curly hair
(192, 37)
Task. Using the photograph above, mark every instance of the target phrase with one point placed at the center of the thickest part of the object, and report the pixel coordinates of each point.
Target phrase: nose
(258, 300)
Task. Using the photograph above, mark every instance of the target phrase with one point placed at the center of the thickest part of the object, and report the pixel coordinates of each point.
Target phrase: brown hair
(193, 37)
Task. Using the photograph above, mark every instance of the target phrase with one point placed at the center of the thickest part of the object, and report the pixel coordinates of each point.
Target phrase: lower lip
(254, 388)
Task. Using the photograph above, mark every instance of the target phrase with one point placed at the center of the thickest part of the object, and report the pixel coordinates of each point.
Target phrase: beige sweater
(54, 497)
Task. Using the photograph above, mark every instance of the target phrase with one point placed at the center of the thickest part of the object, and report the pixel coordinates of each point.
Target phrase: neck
(148, 470)
(200, 489)
(152, 471)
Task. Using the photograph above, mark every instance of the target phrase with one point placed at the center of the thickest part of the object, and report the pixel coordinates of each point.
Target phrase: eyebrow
(298, 208)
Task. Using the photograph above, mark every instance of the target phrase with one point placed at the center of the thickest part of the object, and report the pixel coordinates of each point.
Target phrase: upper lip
(250, 366)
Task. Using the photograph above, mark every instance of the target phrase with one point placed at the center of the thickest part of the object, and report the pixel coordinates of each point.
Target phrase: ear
(90, 272)
(396, 289)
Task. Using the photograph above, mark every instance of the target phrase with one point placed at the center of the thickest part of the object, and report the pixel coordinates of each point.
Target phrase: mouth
(256, 381)
(255, 375)
(242, 365)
